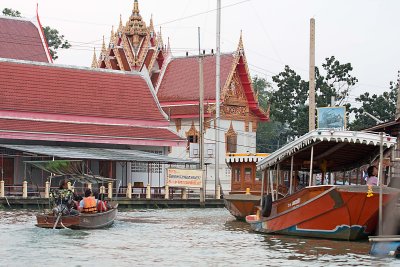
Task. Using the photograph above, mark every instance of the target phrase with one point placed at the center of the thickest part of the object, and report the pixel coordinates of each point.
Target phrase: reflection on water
(170, 237)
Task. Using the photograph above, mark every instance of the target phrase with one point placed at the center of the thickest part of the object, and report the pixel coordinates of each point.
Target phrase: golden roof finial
(240, 49)
(103, 47)
(151, 22)
(120, 22)
(112, 35)
(94, 60)
(136, 7)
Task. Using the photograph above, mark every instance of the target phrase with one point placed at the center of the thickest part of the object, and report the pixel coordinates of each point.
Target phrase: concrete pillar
(148, 192)
(89, 186)
(47, 189)
(110, 187)
(218, 196)
(129, 190)
(25, 189)
(69, 186)
(166, 192)
(2, 189)
(184, 193)
(102, 189)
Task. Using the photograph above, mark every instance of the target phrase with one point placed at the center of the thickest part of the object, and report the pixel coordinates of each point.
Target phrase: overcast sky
(275, 33)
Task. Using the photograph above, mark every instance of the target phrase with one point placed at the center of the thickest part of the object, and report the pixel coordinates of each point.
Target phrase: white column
(110, 188)
(47, 189)
(218, 196)
(184, 193)
(166, 192)
(89, 186)
(129, 190)
(25, 189)
(148, 192)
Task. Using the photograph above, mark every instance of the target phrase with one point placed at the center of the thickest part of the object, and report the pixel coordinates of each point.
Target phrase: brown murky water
(170, 237)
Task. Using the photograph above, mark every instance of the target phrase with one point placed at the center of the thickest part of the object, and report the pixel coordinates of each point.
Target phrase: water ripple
(170, 237)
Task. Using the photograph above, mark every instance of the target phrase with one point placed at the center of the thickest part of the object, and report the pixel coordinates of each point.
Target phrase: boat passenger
(297, 185)
(100, 204)
(372, 173)
(88, 203)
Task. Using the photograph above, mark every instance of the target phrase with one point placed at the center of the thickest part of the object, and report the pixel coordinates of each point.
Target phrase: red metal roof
(46, 88)
(20, 39)
(89, 133)
(181, 78)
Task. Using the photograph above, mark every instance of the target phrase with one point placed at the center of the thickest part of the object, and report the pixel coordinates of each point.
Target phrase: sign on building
(332, 118)
(184, 178)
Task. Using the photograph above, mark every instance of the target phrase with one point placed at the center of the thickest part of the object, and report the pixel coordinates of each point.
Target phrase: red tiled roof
(90, 133)
(20, 39)
(46, 88)
(178, 111)
(181, 78)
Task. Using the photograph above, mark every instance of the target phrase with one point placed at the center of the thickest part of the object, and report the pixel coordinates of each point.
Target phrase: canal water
(170, 237)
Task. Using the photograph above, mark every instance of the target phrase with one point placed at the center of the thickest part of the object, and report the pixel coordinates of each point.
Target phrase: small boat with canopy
(347, 211)
(63, 213)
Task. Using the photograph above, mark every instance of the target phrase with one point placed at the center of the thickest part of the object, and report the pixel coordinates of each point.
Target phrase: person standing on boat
(372, 173)
(88, 203)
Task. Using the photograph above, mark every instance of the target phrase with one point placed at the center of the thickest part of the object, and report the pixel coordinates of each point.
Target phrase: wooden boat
(347, 212)
(245, 192)
(327, 211)
(80, 220)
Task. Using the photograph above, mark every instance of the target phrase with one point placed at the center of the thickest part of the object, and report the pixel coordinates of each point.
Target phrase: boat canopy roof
(69, 169)
(333, 150)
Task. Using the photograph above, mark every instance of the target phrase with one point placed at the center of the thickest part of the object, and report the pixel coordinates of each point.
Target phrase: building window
(147, 167)
(192, 136)
(247, 174)
(236, 174)
(231, 140)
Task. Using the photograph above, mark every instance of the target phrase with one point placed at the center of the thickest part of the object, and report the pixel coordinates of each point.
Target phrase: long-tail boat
(245, 192)
(62, 213)
(346, 212)
(79, 220)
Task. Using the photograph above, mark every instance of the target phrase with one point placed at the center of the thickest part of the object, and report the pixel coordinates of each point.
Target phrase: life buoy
(266, 206)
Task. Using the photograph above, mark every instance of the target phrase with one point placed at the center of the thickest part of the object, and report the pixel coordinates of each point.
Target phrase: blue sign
(332, 118)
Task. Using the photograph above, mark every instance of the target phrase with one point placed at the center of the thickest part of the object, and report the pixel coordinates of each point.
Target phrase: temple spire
(120, 22)
(94, 60)
(103, 48)
(112, 35)
(136, 7)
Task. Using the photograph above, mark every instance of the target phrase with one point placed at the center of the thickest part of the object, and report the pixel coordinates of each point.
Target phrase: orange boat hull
(241, 205)
(337, 212)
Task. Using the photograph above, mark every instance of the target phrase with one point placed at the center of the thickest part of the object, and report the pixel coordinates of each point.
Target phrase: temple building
(133, 46)
(109, 119)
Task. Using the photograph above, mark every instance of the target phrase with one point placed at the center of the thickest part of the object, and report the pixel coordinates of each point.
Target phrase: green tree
(289, 102)
(10, 12)
(268, 134)
(381, 106)
(54, 39)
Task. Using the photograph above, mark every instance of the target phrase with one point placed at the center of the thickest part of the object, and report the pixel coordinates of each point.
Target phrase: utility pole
(217, 96)
(311, 85)
(201, 120)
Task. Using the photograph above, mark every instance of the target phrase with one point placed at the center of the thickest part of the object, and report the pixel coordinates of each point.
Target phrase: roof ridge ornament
(94, 60)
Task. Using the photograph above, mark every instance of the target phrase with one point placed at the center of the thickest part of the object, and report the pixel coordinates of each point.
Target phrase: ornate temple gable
(238, 98)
